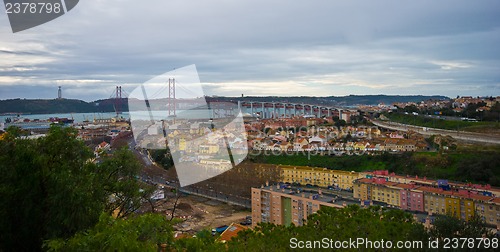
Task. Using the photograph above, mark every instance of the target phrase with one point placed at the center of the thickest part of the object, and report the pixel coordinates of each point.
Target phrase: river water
(136, 115)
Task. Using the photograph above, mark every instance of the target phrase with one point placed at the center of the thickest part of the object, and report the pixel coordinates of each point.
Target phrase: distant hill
(350, 100)
(53, 106)
(41, 106)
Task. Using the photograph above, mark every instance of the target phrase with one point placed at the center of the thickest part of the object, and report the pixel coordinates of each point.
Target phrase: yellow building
(434, 200)
(360, 191)
(461, 206)
(387, 193)
(322, 177)
(377, 190)
(345, 179)
(452, 205)
(307, 175)
(208, 148)
(466, 209)
(182, 144)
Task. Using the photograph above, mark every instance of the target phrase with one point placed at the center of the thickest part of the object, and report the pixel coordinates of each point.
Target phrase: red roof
(431, 189)
(406, 186)
(479, 197)
(365, 180)
(231, 232)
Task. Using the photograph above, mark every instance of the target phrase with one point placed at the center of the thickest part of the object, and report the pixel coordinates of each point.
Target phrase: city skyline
(258, 48)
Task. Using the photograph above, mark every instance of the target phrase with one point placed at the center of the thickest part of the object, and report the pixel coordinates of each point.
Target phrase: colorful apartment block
(322, 177)
(271, 204)
(408, 193)
(377, 189)
(304, 175)
(411, 198)
(434, 200)
(463, 204)
(493, 212)
(345, 179)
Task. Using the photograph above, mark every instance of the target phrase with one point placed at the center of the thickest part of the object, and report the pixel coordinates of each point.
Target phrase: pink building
(411, 199)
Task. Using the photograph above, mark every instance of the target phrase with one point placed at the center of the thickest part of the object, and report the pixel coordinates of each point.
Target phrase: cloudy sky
(313, 48)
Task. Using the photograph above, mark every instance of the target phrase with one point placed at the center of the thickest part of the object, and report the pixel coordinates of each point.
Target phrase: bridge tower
(171, 98)
(118, 100)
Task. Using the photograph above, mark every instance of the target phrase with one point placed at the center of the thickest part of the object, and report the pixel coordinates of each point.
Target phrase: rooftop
(318, 194)
(231, 231)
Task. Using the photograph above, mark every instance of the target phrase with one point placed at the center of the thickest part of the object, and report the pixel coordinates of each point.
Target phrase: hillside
(45, 106)
(42, 106)
(338, 100)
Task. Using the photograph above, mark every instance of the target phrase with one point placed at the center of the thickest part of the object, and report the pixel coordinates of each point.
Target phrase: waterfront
(78, 117)
(137, 115)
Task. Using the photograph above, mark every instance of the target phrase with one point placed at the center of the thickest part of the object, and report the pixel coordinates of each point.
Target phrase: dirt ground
(199, 213)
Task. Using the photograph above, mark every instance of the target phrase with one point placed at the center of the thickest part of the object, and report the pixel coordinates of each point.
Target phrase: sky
(259, 48)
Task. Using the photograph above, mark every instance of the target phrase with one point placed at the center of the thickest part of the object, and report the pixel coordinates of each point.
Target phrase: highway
(172, 183)
(459, 135)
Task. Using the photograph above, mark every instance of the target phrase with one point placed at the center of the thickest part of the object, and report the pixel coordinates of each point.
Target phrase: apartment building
(322, 177)
(490, 211)
(463, 204)
(304, 175)
(434, 200)
(377, 189)
(284, 206)
(411, 198)
(344, 179)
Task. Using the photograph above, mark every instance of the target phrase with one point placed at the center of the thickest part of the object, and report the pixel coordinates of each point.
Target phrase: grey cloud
(325, 47)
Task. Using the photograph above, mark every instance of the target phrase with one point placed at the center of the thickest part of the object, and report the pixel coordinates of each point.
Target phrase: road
(172, 183)
(459, 135)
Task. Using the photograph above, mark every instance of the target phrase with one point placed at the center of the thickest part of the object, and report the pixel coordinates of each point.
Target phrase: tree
(139, 233)
(163, 157)
(47, 189)
(204, 241)
(50, 188)
(118, 179)
(340, 123)
(372, 223)
(448, 226)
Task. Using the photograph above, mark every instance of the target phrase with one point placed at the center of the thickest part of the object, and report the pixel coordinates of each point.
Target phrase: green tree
(204, 241)
(372, 223)
(447, 226)
(118, 179)
(50, 188)
(163, 157)
(265, 237)
(139, 233)
(47, 189)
